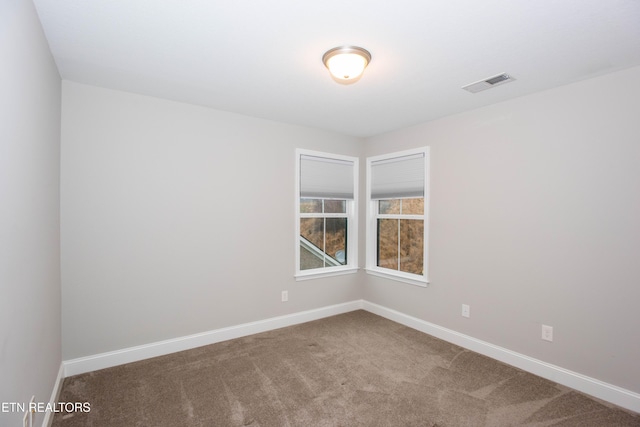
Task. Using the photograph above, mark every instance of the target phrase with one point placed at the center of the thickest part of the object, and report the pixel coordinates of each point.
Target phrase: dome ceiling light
(346, 63)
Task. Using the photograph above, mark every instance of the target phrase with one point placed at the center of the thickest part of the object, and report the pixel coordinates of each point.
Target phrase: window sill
(398, 277)
(319, 275)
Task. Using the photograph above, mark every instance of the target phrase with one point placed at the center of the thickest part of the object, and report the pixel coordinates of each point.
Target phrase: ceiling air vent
(485, 84)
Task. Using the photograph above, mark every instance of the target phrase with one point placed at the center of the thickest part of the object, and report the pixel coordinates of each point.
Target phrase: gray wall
(178, 219)
(535, 219)
(30, 342)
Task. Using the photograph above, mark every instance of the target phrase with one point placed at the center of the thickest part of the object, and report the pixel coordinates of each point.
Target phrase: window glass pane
(387, 207)
(318, 235)
(388, 243)
(312, 229)
(309, 259)
(335, 206)
(310, 205)
(311, 243)
(413, 206)
(336, 239)
(411, 246)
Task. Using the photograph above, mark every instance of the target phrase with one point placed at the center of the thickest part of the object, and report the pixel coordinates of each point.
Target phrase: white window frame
(351, 265)
(372, 224)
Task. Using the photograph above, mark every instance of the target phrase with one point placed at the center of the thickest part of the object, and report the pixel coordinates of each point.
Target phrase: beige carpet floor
(355, 369)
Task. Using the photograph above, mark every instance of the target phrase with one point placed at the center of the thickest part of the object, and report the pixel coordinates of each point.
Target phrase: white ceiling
(264, 58)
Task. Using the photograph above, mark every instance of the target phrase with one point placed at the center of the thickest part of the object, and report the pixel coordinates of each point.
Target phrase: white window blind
(399, 177)
(323, 178)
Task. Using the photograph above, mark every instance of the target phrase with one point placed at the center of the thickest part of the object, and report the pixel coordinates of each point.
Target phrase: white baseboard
(57, 386)
(610, 393)
(134, 354)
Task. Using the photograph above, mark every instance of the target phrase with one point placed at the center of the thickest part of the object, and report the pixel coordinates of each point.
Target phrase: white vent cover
(488, 83)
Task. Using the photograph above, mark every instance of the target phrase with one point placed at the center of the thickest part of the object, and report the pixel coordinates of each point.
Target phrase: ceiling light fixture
(346, 63)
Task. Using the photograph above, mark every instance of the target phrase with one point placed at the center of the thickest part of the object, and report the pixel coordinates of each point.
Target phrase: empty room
(291, 213)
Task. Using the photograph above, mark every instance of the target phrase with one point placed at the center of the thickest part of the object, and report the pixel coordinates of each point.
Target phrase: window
(326, 229)
(397, 212)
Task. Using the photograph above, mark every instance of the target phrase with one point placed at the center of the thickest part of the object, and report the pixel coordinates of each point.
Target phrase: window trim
(351, 265)
(372, 229)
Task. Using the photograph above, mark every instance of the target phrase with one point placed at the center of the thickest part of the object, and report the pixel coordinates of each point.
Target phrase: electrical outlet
(285, 296)
(547, 333)
(466, 310)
